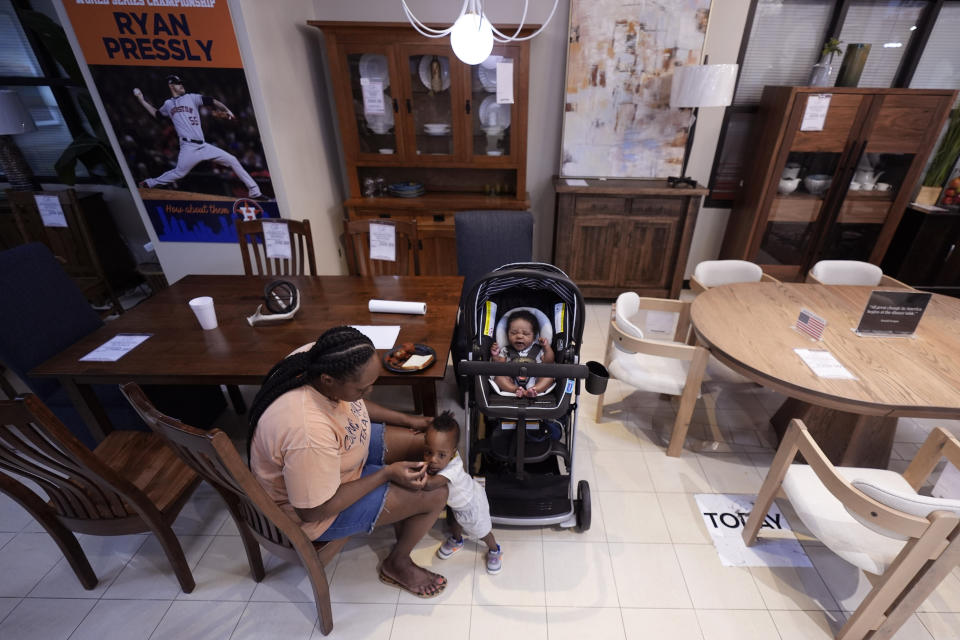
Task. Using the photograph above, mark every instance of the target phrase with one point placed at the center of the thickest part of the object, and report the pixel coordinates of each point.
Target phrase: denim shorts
(361, 516)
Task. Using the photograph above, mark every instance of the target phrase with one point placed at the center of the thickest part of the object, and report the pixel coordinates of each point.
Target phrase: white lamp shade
(703, 85)
(472, 38)
(14, 117)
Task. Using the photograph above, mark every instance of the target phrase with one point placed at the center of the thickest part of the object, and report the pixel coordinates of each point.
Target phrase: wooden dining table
(750, 328)
(180, 352)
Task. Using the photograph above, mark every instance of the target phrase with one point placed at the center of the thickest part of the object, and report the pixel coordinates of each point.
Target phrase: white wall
(724, 33)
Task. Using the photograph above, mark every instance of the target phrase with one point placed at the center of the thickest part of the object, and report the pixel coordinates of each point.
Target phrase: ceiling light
(472, 35)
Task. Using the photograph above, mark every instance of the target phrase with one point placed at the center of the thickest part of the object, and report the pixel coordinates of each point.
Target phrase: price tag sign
(505, 82)
(372, 96)
(383, 242)
(815, 115)
(51, 212)
(276, 237)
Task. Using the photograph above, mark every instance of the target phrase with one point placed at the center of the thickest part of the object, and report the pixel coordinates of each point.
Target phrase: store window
(913, 43)
(49, 93)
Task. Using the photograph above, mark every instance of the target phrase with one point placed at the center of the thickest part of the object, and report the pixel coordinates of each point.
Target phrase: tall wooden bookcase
(890, 132)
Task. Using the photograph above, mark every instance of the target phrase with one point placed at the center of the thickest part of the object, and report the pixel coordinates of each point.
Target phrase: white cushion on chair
(649, 373)
(827, 518)
(847, 272)
(906, 501)
(714, 273)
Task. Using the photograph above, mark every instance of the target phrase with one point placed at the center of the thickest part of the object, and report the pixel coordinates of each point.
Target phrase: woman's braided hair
(340, 353)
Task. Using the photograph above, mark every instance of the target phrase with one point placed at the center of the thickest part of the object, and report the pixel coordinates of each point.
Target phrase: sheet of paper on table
(116, 347)
(576, 182)
(824, 364)
(383, 336)
(276, 237)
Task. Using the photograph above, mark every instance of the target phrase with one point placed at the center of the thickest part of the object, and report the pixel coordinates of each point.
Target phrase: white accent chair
(661, 362)
(715, 273)
(853, 272)
(873, 519)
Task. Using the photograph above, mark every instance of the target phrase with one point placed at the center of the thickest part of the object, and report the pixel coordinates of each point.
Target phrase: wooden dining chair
(258, 518)
(131, 483)
(853, 272)
(874, 519)
(356, 243)
(715, 273)
(301, 262)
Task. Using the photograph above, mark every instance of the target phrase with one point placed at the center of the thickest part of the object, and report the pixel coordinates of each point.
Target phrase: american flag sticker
(811, 324)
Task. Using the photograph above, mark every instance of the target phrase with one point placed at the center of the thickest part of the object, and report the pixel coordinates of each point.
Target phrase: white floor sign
(725, 516)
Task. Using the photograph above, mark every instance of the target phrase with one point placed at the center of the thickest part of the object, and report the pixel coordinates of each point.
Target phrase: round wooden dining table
(750, 328)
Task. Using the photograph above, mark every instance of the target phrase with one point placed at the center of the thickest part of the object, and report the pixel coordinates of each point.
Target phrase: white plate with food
(494, 115)
(443, 73)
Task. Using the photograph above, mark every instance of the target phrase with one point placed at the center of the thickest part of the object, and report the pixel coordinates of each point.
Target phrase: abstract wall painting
(620, 60)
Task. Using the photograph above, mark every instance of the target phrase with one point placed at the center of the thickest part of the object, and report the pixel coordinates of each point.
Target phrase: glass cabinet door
(805, 180)
(430, 105)
(374, 104)
(490, 132)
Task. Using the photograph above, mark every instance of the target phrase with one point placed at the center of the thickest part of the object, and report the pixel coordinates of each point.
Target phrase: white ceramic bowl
(788, 185)
(817, 183)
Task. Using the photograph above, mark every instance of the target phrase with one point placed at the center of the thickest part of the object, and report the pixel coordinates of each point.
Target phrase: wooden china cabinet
(857, 170)
(410, 111)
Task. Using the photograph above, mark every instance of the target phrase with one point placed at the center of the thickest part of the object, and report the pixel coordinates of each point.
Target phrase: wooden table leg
(847, 439)
(425, 398)
(88, 406)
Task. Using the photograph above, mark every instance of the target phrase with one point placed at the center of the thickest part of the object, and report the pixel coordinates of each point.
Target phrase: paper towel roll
(397, 306)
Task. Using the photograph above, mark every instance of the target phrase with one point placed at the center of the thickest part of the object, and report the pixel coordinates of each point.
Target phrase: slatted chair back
(253, 249)
(132, 483)
(213, 456)
(356, 241)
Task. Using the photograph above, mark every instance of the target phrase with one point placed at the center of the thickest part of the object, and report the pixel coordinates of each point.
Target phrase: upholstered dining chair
(665, 364)
(875, 520)
(258, 518)
(852, 272)
(253, 250)
(131, 483)
(715, 273)
(356, 243)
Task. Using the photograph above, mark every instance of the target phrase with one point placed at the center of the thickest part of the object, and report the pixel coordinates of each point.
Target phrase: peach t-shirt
(305, 446)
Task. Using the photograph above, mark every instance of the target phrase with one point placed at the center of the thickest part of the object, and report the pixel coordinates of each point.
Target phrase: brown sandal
(385, 579)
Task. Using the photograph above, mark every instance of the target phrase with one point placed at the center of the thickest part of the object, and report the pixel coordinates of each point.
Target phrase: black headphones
(280, 296)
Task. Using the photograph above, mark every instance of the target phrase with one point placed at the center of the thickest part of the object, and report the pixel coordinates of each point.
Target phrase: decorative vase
(820, 74)
(852, 66)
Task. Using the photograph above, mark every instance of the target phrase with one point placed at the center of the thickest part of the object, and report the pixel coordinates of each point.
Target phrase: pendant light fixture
(472, 35)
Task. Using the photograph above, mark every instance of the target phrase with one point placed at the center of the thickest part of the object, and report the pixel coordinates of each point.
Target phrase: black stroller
(528, 479)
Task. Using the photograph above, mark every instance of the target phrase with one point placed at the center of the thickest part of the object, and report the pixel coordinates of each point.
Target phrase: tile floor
(645, 569)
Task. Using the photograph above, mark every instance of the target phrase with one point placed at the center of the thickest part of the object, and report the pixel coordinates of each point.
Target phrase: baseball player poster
(171, 79)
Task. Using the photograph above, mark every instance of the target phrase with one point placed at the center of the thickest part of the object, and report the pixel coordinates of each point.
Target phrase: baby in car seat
(524, 344)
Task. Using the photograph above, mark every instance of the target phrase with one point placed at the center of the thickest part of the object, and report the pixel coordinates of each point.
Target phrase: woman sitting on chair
(327, 458)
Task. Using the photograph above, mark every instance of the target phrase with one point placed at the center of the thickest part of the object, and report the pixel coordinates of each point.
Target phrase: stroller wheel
(583, 505)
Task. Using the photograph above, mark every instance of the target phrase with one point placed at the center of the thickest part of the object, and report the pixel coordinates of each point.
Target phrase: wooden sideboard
(618, 235)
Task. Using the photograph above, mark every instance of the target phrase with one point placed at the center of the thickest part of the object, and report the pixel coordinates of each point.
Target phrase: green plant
(830, 48)
(946, 154)
(93, 150)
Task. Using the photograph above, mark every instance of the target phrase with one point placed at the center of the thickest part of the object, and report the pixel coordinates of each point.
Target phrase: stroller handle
(595, 373)
(512, 369)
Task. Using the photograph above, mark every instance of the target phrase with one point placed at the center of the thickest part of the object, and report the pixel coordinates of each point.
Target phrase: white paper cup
(203, 308)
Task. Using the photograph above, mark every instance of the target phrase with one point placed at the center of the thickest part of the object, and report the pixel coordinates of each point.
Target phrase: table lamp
(695, 86)
(15, 119)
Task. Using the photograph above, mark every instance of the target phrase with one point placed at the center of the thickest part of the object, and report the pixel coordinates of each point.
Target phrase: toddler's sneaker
(494, 560)
(449, 547)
